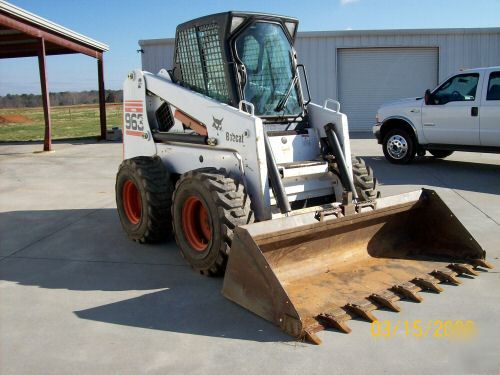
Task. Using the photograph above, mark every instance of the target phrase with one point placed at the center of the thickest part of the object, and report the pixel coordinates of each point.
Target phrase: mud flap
(306, 275)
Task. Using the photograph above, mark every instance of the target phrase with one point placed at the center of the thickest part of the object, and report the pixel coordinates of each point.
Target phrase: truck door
(452, 115)
(490, 111)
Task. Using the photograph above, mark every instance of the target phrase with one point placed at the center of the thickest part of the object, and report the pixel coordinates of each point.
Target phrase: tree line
(59, 98)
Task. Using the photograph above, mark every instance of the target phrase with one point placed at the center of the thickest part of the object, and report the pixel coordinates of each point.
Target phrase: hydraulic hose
(336, 150)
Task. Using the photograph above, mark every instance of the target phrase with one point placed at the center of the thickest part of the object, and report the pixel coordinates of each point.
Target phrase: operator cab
(235, 56)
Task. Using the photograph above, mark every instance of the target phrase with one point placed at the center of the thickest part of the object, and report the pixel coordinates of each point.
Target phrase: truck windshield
(267, 55)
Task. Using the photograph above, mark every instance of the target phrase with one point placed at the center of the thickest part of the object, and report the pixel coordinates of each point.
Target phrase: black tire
(440, 154)
(225, 204)
(155, 188)
(397, 137)
(364, 182)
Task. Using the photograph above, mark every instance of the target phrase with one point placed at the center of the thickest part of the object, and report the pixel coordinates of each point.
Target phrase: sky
(121, 23)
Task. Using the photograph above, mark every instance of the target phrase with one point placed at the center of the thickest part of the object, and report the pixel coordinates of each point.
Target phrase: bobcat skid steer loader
(256, 182)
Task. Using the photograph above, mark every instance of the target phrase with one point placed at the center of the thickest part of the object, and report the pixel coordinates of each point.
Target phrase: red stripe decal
(134, 133)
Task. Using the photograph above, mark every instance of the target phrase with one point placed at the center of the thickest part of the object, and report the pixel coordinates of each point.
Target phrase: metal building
(365, 68)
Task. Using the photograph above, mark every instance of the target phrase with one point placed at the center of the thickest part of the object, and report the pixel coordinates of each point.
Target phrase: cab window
(267, 55)
(494, 87)
(459, 88)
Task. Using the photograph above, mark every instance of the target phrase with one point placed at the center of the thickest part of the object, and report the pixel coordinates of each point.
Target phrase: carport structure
(24, 34)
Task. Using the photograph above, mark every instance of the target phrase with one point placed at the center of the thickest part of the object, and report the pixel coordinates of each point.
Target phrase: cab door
(452, 115)
(490, 111)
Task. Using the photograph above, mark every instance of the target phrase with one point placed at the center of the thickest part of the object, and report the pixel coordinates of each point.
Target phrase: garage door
(368, 77)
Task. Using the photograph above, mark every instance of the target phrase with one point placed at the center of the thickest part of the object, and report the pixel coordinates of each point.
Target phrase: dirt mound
(15, 119)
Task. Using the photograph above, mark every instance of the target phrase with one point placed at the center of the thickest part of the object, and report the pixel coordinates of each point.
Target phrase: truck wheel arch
(398, 122)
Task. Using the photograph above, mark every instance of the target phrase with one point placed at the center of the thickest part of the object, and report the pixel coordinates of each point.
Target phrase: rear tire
(207, 206)
(143, 199)
(364, 182)
(399, 146)
(440, 154)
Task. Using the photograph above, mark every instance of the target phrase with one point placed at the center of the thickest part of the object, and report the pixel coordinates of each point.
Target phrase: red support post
(47, 140)
(102, 97)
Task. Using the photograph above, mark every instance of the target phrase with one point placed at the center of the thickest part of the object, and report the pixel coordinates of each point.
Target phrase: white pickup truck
(461, 114)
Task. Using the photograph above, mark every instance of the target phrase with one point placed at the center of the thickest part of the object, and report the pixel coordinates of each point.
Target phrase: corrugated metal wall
(466, 49)
(369, 77)
(458, 48)
(158, 54)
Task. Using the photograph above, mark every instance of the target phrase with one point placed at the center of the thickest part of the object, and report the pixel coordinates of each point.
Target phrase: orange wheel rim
(132, 202)
(195, 223)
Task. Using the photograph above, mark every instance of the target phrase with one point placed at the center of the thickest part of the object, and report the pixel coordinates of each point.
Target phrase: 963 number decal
(133, 118)
(133, 121)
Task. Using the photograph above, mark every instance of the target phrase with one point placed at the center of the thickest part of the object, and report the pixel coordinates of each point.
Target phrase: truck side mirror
(427, 97)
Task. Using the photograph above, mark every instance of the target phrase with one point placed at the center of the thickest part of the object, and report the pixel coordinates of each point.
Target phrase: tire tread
(233, 209)
(155, 180)
(365, 183)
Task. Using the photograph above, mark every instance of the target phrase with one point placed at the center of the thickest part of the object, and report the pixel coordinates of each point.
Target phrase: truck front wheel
(399, 146)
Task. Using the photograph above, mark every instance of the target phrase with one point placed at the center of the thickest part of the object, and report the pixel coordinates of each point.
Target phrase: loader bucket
(306, 275)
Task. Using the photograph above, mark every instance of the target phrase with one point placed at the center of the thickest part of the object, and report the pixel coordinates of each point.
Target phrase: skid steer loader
(226, 152)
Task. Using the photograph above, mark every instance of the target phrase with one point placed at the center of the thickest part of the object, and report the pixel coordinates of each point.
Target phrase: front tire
(440, 154)
(399, 146)
(207, 206)
(143, 198)
(364, 182)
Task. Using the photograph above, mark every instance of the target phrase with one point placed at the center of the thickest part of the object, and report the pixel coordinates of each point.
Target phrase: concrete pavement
(76, 296)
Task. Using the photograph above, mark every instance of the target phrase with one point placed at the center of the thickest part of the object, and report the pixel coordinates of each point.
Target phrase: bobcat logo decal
(217, 124)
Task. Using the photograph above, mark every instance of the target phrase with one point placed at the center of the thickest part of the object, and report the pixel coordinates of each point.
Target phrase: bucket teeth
(481, 263)
(446, 275)
(428, 282)
(408, 290)
(387, 299)
(312, 337)
(463, 268)
(362, 309)
(336, 321)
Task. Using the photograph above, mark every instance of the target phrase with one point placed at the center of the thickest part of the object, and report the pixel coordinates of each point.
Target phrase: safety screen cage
(198, 56)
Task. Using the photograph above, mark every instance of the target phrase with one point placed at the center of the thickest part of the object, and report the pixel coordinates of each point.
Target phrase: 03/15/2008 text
(450, 329)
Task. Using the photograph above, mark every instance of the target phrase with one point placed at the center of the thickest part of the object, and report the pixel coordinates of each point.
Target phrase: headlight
(377, 118)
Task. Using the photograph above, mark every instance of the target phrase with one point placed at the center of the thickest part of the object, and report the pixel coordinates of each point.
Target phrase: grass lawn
(27, 124)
